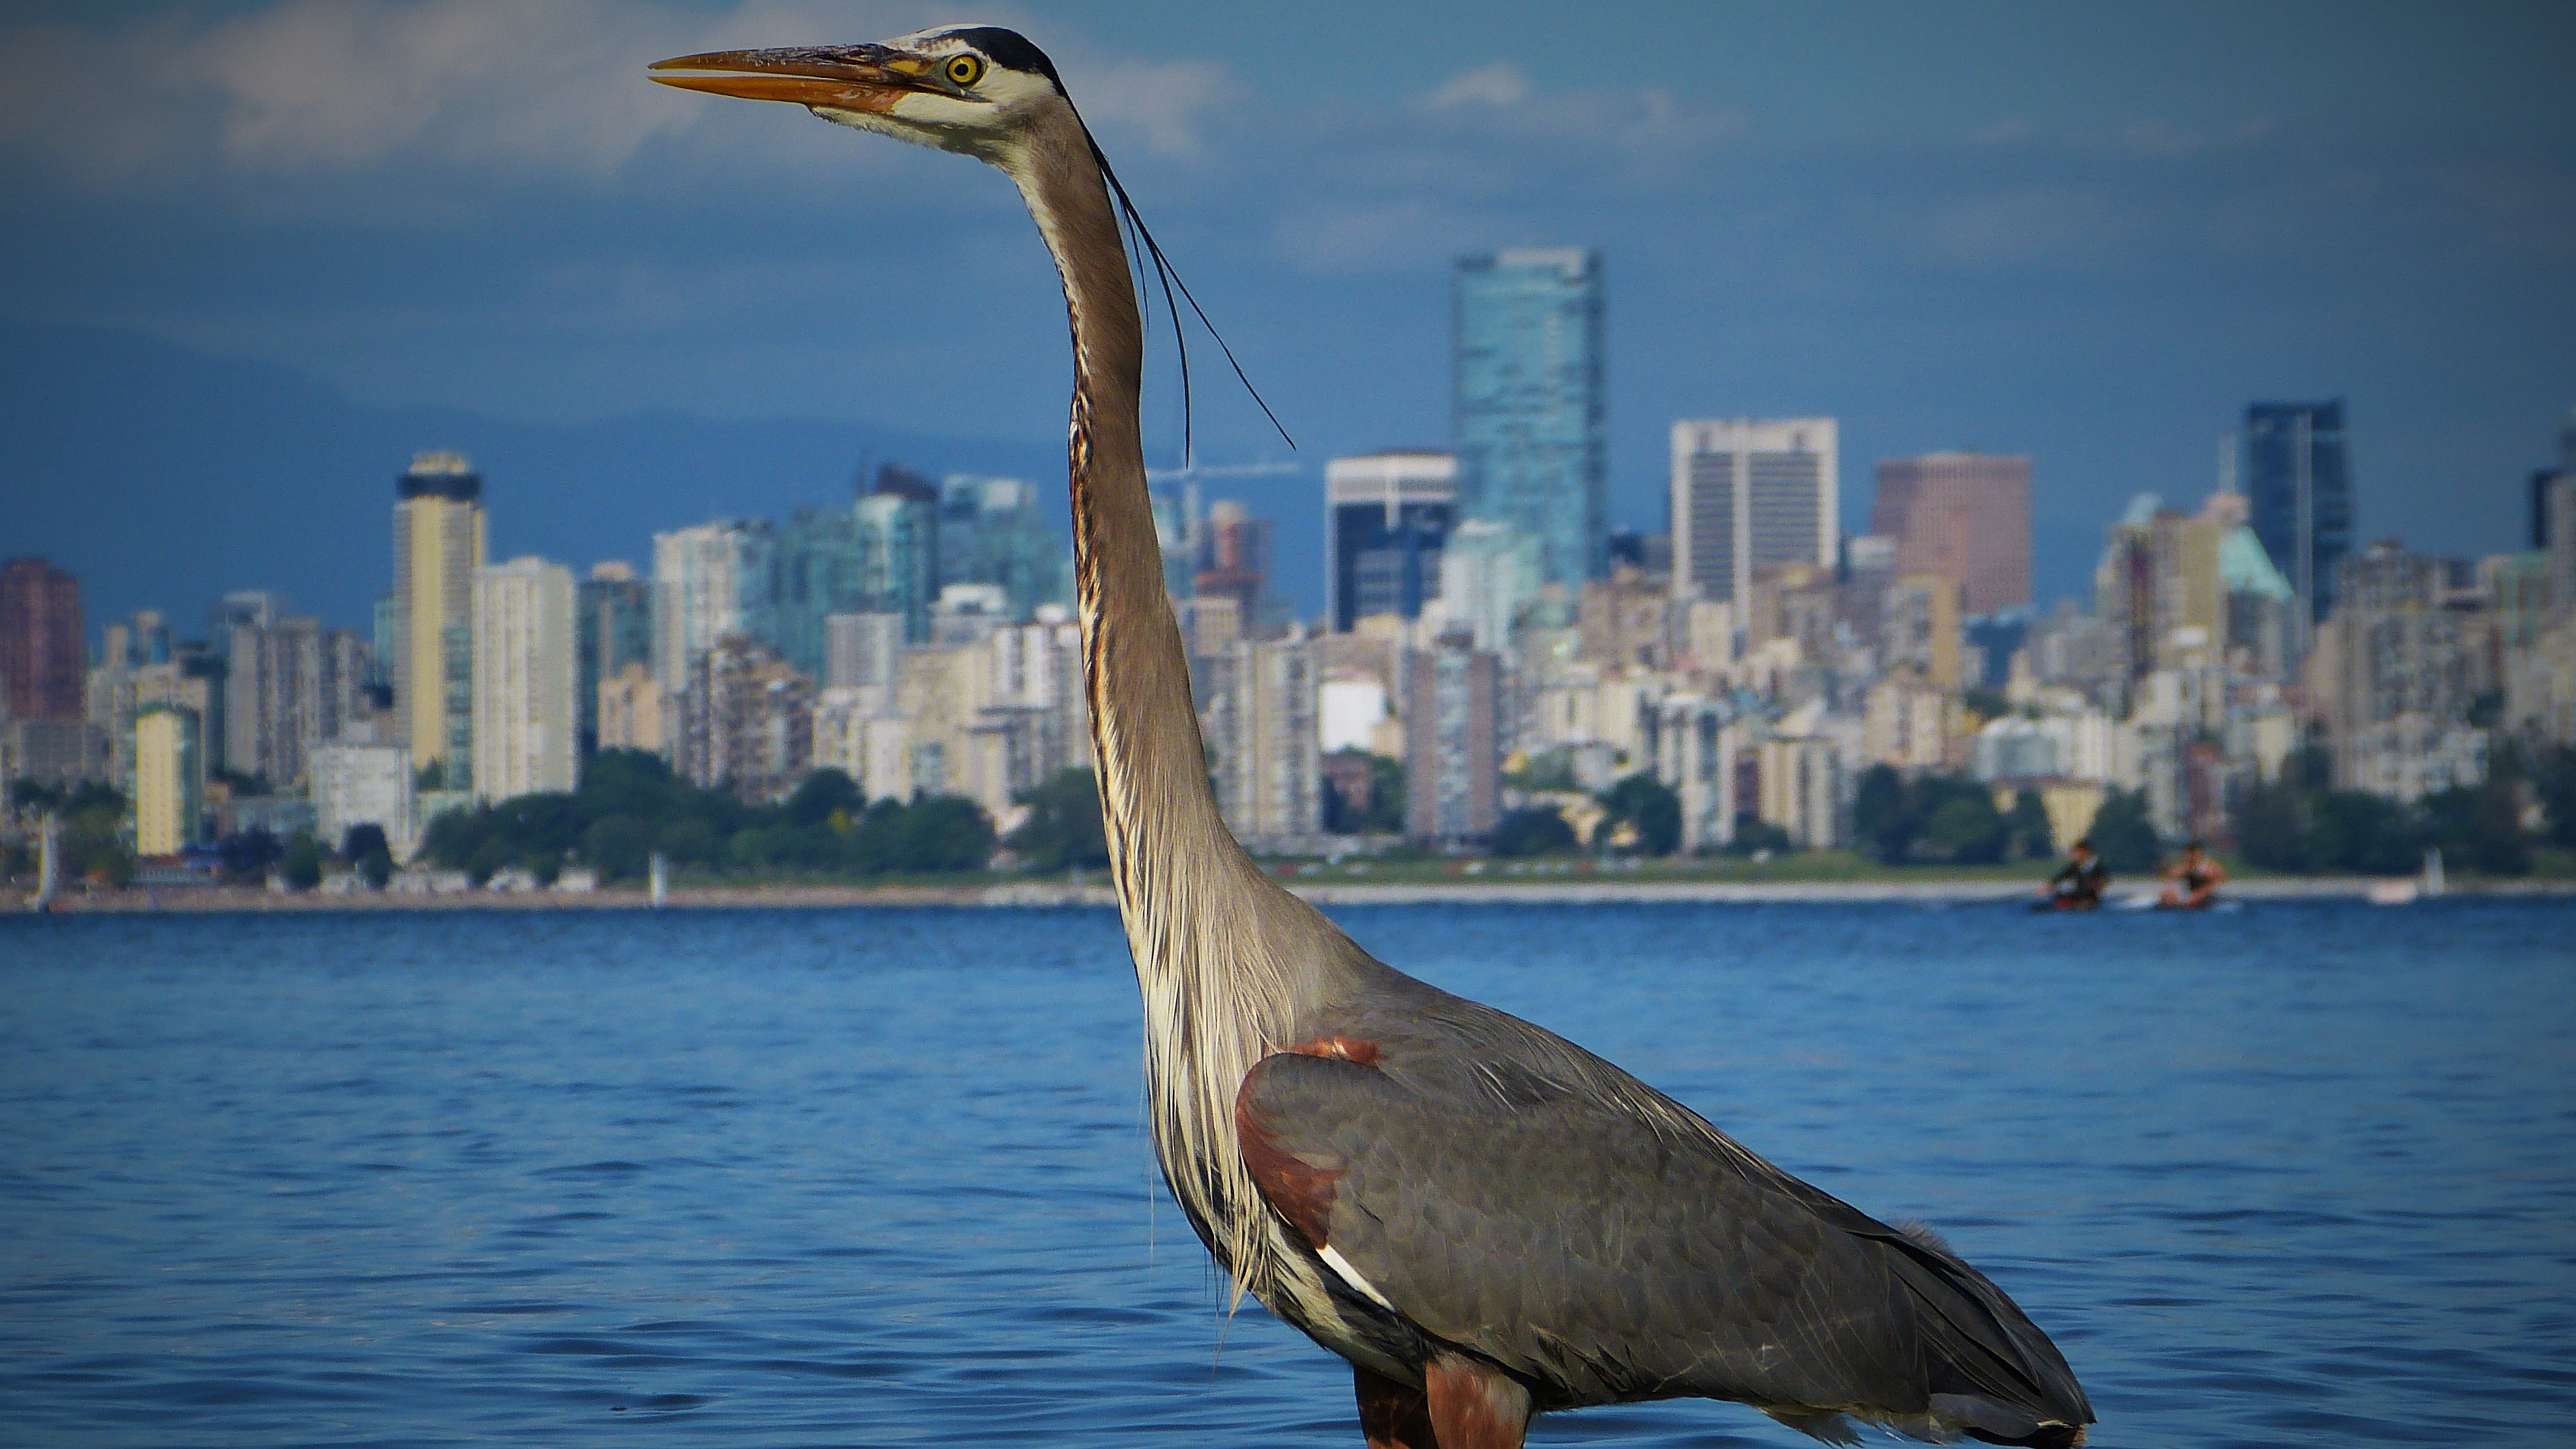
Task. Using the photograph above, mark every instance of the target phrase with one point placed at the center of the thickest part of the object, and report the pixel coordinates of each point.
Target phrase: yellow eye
(965, 70)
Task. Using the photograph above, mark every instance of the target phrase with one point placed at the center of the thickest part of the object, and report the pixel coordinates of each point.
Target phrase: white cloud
(1499, 84)
(515, 88)
(1168, 104)
(320, 86)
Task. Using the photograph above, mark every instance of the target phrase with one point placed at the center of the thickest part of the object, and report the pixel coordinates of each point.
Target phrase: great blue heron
(1486, 1220)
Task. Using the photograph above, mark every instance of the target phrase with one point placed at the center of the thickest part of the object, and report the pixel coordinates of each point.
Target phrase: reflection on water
(2296, 1176)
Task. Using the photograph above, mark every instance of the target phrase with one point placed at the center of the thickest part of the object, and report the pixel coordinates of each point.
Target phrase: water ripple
(879, 1178)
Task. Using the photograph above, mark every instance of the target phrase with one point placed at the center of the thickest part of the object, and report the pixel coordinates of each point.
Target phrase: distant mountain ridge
(165, 477)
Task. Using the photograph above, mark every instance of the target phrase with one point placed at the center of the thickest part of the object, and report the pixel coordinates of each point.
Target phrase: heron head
(972, 89)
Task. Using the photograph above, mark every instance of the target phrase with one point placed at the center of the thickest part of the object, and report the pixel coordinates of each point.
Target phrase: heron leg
(1393, 1415)
(1475, 1405)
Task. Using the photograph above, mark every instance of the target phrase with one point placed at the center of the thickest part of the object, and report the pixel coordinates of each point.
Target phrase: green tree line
(630, 805)
(2299, 822)
(1953, 820)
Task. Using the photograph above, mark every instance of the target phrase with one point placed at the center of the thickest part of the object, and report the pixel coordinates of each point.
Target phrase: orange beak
(840, 77)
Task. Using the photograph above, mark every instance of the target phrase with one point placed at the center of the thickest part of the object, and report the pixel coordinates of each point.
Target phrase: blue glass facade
(1383, 564)
(821, 570)
(1531, 447)
(2298, 483)
(999, 531)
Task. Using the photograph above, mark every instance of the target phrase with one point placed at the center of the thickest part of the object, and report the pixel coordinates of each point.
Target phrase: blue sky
(2083, 233)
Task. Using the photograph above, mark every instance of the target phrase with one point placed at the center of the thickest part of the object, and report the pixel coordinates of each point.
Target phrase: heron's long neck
(1224, 956)
(1165, 834)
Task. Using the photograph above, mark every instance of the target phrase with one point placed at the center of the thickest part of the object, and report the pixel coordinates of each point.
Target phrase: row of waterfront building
(920, 643)
(1482, 625)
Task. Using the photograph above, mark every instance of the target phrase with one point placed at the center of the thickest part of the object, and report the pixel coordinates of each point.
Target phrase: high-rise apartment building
(525, 674)
(169, 779)
(43, 654)
(1452, 740)
(631, 712)
(288, 688)
(1963, 516)
(745, 721)
(1387, 516)
(2394, 673)
(1235, 564)
(1532, 448)
(1919, 630)
(861, 651)
(438, 544)
(709, 582)
(1750, 495)
(2298, 479)
(1269, 766)
(616, 630)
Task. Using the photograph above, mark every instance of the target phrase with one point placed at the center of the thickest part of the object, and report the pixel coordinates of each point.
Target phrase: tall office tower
(525, 673)
(1963, 516)
(710, 581)
(169, 779)
(289, 687)
(900, 548)
(616, 630)
(1236, 565)
(1750, 494)
(42, 652)
(1453, 766)
(821, 570)
(2298, 478)
(1531, 435)
(438, 544)
(998, 531)
(861, 650)
(1387, 515)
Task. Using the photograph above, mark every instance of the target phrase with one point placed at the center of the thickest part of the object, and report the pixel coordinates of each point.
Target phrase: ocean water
(2302, 1174)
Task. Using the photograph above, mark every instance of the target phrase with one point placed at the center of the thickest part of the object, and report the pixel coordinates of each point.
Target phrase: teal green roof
(2245, 569)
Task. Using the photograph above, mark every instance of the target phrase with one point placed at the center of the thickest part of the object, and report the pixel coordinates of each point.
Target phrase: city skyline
(2092, 254)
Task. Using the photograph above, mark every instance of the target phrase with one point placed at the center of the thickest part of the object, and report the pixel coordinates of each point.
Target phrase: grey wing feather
(1514, 1195)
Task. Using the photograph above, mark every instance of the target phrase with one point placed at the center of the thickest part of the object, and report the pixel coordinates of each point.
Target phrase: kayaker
(2196, 877)
(2078, 885)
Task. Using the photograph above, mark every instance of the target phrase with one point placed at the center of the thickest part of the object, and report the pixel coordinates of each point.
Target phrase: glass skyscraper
(2298, 482)
(1387, 517)
(1531, 451)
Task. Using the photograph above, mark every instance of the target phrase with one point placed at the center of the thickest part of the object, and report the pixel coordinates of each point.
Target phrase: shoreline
(222, 900)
